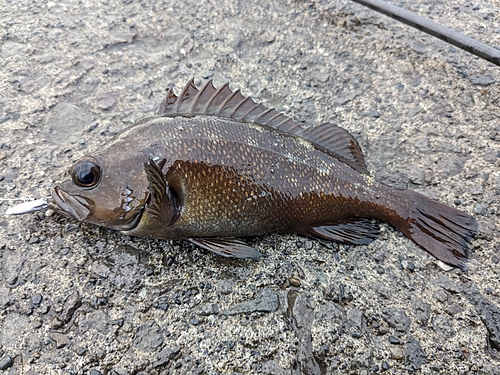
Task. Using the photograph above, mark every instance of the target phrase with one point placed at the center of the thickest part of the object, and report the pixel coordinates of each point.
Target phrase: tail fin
(441, 230)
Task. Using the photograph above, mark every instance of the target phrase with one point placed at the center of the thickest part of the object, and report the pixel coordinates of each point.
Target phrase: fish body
(213, 166)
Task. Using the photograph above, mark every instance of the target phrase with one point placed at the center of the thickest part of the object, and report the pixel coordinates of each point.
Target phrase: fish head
(109, 192)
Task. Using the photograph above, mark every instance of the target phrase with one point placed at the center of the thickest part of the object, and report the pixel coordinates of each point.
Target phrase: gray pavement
(78, 299)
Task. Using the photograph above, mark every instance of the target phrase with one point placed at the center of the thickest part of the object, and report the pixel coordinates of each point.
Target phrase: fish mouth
(73, 206)
(81, 209)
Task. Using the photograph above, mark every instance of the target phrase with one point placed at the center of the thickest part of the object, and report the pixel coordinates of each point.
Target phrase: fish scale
(214, 166)
(189, 143)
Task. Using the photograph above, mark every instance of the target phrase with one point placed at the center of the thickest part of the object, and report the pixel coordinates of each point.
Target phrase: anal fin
(353, 232)
(227, 247)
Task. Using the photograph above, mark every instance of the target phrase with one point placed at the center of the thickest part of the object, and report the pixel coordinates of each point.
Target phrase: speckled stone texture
(78, 299)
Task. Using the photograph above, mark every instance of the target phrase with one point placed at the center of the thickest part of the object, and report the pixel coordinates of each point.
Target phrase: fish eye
(86, 173)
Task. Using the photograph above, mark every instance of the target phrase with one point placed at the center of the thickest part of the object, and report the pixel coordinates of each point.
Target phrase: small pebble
(383, 330)
(37, 299)
(5, 363)
(394, 340)
(210, 73)
(478, 209)
(33, 240)
(454, 309)
(163, 306)
(56, 323)
(64, 251)
(397, 352)
(410, 266)
(385, 366)
(92, 127)
(356, 335)
(118, 322)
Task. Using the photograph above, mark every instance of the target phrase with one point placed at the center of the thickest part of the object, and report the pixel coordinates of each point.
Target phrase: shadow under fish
(214, 166)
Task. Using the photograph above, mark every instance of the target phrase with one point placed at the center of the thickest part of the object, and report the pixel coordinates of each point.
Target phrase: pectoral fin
(163, 204)
(355, 232)
(227, 247)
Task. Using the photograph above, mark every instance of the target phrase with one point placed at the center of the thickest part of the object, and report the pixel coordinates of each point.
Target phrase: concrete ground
(78, 299)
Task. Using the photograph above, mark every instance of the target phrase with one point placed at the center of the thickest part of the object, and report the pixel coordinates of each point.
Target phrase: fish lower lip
(69, 205)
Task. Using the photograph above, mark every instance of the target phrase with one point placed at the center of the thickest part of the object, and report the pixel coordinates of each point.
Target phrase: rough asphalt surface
(77, 299)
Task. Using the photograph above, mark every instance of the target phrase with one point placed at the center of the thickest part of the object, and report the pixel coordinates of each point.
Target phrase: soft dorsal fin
(339, 141)
(224, 102)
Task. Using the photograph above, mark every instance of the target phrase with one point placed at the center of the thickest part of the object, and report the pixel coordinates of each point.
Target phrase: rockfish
(214, 166)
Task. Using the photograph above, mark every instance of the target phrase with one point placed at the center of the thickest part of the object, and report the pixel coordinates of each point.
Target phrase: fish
(214, 166)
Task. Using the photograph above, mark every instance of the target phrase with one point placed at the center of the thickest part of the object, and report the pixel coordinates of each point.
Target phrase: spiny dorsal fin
(224, 102)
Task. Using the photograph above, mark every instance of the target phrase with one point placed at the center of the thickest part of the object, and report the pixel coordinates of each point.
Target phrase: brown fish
(213, 165)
